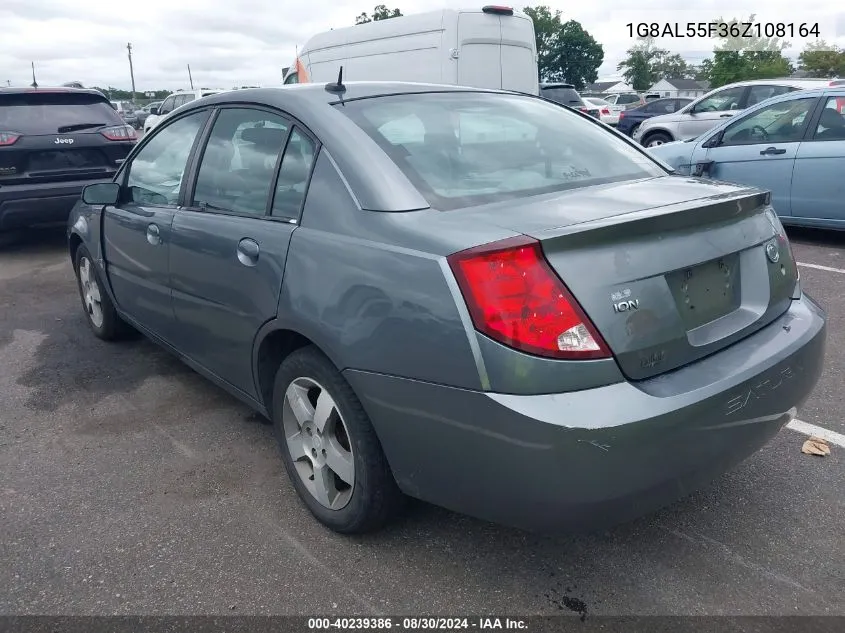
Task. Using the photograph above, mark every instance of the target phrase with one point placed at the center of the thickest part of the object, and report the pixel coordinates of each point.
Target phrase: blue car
(793, 145)
(629, 120)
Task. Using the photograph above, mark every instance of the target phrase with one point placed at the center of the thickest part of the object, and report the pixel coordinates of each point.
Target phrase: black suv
(567, 95)
(53, 142)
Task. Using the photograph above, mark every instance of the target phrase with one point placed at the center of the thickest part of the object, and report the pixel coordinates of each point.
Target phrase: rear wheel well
(273, 350)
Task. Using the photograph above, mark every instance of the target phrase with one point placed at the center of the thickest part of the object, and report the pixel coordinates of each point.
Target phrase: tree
(672, 66)
(742, 58)
(640, 68)
(565, 51)
(380, 12)
(823, 60)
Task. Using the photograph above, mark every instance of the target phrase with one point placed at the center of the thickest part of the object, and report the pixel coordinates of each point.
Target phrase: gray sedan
(479, 299)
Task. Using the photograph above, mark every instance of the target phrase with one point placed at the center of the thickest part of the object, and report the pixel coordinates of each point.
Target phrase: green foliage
(645, 64)
(823, 60)
(743, 58)
(565, 51)
(380, 12)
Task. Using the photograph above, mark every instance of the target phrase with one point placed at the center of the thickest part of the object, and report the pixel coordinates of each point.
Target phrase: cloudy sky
(247, 42)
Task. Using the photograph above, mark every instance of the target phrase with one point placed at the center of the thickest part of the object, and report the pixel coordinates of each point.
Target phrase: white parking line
(819, 267)
(832, 437)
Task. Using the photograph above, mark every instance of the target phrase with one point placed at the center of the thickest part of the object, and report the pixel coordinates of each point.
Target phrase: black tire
(375, 498)
(656, 138)
(634, 130)
(112, 327)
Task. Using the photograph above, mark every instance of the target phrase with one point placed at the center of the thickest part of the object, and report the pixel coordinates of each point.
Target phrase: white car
(606, 114)
(708, 111)
(178, 98)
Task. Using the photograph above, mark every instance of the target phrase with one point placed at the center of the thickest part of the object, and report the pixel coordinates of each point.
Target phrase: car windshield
(49, 112)
(468, 148)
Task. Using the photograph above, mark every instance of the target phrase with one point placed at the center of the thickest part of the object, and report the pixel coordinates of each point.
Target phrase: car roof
(28, 90)
(556, 85)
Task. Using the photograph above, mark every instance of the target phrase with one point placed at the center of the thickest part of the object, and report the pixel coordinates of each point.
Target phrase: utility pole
(131, 70)
(34, 83)
(191, 79)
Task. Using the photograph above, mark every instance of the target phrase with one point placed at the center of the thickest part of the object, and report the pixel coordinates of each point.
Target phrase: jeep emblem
(63, 141)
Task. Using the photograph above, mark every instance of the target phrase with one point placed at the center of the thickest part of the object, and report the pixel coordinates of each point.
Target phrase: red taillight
(605, 111)
(497, 9)
(8, 138)
(119, 133)
(514, 297)
(622, 114)
(583, 109)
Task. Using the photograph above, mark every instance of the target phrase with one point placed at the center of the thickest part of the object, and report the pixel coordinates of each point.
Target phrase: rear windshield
(46, 113)
(467, 148)
(566, 96)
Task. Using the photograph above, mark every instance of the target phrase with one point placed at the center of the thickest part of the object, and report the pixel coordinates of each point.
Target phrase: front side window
(831, 125)
(236, 172)
(167, 106)
(781, 122)
(722, 101)
(155, 175)
(472, 148)
(293, 78)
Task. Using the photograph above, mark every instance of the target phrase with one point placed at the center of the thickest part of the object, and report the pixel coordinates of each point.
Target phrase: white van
(491, 47)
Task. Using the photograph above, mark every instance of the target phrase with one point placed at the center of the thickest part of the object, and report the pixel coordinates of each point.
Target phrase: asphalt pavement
(131, 485)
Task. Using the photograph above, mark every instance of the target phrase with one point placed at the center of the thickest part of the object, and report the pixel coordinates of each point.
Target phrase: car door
(137, 231)
(168, 106)
(230, 244)
(760, 147)
(710, 111)
(818, 186)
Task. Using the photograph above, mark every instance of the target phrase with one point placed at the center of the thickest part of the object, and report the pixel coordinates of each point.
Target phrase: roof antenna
(338, 87)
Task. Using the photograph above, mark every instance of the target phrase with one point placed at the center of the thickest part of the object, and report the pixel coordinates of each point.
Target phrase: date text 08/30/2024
(723, 29)
(416, 623)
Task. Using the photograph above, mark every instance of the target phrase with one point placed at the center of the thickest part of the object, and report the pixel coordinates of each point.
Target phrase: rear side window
(54, 112)
(566, 96)
(464, 149)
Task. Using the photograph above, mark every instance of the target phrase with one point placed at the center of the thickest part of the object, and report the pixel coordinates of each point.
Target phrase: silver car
(707, 112)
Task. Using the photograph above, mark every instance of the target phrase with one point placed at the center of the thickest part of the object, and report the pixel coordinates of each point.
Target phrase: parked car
(456, 294)
(717, 105)
(603, 107)
(144, 113)
(126, 110)
(630, 120)
(565, 94)
(792, 145)
(651, 96)
(173, 101)
(54, 141)
(486, 47)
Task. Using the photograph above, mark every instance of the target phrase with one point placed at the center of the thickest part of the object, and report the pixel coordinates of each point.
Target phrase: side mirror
(713, 141)
(154, 110)
(101, 194)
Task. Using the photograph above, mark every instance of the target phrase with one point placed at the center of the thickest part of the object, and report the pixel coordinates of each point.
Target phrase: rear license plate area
(706, 292)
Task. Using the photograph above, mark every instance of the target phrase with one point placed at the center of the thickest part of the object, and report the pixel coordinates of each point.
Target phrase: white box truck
(489, 47)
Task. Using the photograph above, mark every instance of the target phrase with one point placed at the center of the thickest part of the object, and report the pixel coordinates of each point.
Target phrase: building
(607, 87)
(689, 88)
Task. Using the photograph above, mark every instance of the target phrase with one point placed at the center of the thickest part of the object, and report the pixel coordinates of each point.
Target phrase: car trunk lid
(668, 272)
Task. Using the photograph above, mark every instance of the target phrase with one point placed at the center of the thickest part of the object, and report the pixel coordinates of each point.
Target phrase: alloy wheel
(90, 292)
(318, 442)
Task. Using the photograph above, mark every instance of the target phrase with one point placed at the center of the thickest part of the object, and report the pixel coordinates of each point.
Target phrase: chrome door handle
(248, 252)
(153, 234)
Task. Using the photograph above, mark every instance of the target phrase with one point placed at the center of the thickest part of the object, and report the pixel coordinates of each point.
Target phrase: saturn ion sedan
(480, 299)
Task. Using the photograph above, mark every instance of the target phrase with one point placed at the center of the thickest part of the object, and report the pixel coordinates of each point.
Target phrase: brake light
(622, 114)
(605, 111)
(497, 9)
(8, 138)
(514, 297)
(119, 133)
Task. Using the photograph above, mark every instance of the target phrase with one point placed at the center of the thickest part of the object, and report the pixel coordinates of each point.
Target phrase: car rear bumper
(593, 458)
(22, 206)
